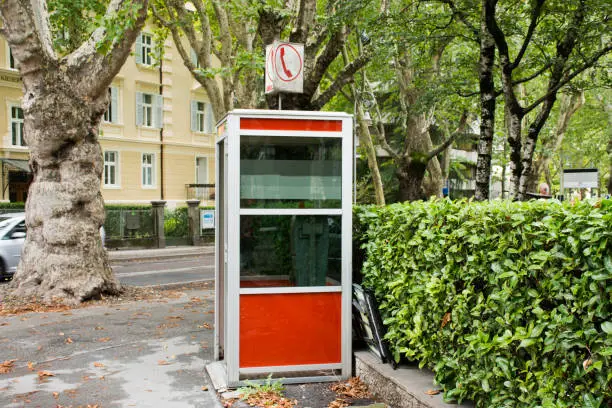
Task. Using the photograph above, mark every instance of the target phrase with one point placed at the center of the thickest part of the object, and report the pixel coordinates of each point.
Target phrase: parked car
(12, 237)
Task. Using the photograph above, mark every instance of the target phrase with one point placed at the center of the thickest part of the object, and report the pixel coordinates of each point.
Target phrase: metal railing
(202, 192)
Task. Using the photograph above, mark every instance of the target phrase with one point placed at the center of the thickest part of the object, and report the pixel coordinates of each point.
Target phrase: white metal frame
(232, 309)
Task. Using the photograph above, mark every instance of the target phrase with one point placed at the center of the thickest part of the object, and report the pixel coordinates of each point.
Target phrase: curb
(405, 387)
(157, 254)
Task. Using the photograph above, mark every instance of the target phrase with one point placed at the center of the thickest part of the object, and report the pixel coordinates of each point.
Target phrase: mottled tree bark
(487, 104)
(64, 99)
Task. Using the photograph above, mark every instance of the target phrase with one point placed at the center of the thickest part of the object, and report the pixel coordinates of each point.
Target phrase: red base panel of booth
(290, 329)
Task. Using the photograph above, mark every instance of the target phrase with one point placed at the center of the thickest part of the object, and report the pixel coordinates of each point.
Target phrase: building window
(202, 119)
(17, 126)
(144, 49)
(197, 116)
(149, 110)
(111, 165)
(201, 170)
(112, 113)
(12, 63)
(148, 169)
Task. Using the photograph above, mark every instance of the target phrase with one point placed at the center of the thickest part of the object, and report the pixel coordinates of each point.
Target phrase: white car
(12, 237)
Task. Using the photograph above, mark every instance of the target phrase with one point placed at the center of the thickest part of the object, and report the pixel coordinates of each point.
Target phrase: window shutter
(158, 108)
(209, 119)
(139, 118)
(194, 116)
(138, 53)
(114, 103)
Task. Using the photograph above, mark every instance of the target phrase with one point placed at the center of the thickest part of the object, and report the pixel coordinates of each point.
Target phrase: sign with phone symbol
(284, 67)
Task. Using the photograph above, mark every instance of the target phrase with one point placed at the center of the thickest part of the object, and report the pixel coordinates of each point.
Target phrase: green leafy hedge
(509, 303)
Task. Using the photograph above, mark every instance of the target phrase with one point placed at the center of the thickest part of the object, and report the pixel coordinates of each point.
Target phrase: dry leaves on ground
(352, 388)
(433, 392)
(7, 366)
(269, 399)
(338, 403)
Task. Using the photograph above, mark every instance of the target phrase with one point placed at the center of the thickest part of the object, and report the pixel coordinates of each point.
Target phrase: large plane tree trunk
(64, 99)
(63, 256)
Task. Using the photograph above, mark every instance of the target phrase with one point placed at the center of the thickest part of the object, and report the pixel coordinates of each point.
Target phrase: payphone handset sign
(284, 67)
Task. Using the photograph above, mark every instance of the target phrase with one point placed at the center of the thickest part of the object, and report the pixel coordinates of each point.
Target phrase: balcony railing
(202, 192)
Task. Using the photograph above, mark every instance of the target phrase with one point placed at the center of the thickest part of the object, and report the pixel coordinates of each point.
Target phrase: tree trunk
(63, 256)
(487, 104)
(64, 99)
(410, 177)
(433, 183)
(365, 139)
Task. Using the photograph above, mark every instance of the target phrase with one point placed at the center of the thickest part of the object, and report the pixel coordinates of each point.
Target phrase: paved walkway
(138, 354)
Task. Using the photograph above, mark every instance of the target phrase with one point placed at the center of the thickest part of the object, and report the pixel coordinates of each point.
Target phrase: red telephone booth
(283, 245)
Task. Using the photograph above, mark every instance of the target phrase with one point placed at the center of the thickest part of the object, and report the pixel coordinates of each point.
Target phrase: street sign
(580, 178)
(284, 67)
(208, 219)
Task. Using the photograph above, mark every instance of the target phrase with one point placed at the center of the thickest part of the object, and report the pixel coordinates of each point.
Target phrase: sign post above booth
(283, 245)
(284, 68)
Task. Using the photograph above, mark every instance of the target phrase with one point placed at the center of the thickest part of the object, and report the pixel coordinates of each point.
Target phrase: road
(166, 271)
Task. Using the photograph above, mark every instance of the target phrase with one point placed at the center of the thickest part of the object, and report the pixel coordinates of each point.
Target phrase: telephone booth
(283, 246)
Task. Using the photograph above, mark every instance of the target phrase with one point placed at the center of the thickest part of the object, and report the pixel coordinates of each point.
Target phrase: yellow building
(157, 136)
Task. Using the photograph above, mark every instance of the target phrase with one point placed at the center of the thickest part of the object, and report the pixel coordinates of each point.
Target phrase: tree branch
(344, 77)
(27, 30)
(305, 20)
(588, 64)
(331, 50)
(460, 129)
(535, 14)
(463, 18)
(100, 69)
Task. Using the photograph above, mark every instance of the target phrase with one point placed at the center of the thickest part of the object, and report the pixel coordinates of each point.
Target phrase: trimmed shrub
(508, 302)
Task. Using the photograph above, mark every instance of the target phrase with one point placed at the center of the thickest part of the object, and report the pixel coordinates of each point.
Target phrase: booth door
(290, 253)
(221, 249)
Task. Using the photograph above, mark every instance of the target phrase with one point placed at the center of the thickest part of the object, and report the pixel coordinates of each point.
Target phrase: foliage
(176, 222)
(11, 206)
(268, 385)
(508, 302)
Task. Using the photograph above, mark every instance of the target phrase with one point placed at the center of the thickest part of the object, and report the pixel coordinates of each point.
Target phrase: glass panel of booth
(290, 172)
(290, 251)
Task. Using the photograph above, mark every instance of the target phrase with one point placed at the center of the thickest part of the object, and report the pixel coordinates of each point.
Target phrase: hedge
(509, 303)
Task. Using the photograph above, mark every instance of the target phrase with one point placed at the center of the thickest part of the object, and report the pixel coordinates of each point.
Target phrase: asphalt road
(166, 271)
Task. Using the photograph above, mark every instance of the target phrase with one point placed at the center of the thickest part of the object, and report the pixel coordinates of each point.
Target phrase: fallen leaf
(61, 334)
(68, 340)
(56, 395)
(102, 378)
(99, 328)
(432, 392)
(4, 324)
(31, 365)
(43, 374)
(204, 326)
(96, 364)
(445, 319)
(104, 339)
(204, 388)
(174, 318)
(7, 366)
(163, 362)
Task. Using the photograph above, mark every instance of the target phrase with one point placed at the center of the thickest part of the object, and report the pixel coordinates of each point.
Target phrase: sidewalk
(122, 255)
(137, 354)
